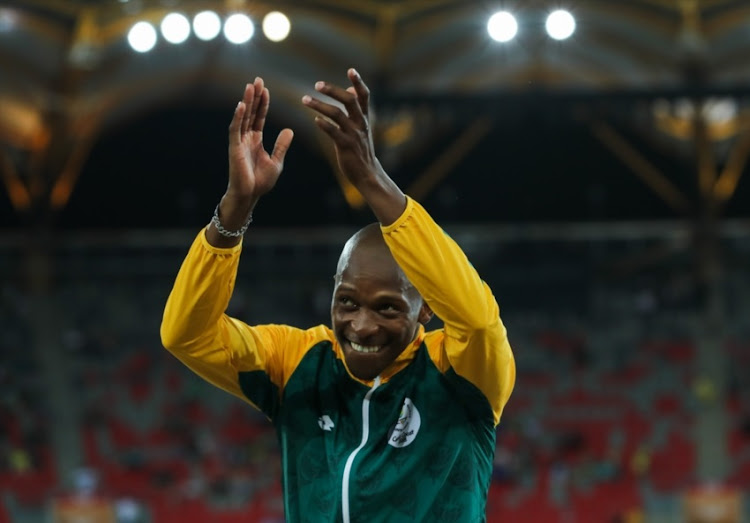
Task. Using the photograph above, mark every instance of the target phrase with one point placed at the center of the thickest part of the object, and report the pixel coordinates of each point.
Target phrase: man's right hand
(252, 170)
(351, 133)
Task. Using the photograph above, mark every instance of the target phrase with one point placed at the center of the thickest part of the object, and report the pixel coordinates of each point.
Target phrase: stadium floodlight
(560, 24)
(502, 26)
(206, 25)
(142, 37)
(175, 28)
(238, 28)
(276, 26)
(8, 20)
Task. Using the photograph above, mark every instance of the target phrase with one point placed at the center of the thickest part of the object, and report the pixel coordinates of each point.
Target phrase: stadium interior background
(593, 174)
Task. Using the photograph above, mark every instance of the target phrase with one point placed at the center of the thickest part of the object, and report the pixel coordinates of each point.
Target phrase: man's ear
(425, 314)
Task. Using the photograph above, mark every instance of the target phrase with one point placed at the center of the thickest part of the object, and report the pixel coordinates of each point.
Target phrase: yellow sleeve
(475, 342)
(217, 347)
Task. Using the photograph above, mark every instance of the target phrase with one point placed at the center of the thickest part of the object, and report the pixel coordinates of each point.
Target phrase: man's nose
(364, 324)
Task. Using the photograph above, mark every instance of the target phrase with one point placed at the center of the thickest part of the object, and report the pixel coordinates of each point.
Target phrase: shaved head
(369, 239)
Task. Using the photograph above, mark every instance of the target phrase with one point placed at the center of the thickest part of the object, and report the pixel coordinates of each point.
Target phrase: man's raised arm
(252, 171)
(475, 343)
(194, 326)
(355, 152)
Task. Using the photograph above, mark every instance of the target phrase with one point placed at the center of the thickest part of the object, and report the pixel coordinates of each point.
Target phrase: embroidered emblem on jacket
(407, 426)
(325, 423)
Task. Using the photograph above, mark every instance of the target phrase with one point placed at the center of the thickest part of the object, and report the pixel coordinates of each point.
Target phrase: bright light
(7, 20)
(276, 26)
(206, 25)
(175, 28)
(238, 28)
(560, 24)
(502, 26)
(720, 110)
(142, 37)
(715, 111)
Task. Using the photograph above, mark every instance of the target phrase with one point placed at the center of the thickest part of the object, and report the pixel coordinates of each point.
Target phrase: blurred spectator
(559, 483)
(85, 481)
(640, 462)
(502, 466)
(20, 461)
(128, 511)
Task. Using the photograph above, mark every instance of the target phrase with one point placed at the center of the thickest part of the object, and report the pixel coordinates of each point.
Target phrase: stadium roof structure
(641, 114)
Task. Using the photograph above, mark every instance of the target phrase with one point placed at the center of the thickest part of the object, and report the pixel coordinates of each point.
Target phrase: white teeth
(361, 348)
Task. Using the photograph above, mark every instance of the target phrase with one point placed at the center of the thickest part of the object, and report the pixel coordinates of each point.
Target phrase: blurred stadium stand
(603, 425)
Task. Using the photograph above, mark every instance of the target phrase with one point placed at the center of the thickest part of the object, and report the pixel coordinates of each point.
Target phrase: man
(377, 419)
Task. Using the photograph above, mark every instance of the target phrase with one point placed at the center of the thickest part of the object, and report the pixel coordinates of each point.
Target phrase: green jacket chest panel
(425, 453)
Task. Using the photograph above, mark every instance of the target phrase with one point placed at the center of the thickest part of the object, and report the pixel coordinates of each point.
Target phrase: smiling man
(375, 312)
(378, 420)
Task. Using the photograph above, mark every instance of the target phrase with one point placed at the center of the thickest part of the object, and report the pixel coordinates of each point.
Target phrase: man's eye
(389, 308)
(346, 301)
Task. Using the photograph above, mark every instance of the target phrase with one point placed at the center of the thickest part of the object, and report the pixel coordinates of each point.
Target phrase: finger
(350, 89)
(330, 128)
(248, 99)
(283, 141)
(348, 99)
(260, 118)
(362, 91)
(331, 112)
(258, 88)
(235, 136)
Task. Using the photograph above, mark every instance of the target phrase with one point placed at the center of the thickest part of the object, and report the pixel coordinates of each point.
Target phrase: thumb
(283, 141)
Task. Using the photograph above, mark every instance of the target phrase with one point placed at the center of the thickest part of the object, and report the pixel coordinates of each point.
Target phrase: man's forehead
(392, 285)
(369, 263)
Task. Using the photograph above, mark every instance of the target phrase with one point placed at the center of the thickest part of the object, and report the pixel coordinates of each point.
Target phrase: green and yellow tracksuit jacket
(415, 444)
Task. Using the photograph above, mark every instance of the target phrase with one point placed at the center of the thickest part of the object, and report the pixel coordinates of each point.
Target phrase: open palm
(252, 170)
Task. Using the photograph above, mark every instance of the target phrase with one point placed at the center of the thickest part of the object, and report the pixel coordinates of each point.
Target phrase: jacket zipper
(350, 459)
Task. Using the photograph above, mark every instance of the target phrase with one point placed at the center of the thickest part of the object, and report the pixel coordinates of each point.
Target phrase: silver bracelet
(230, 234)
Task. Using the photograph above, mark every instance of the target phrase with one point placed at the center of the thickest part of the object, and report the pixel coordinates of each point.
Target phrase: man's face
(375, 311)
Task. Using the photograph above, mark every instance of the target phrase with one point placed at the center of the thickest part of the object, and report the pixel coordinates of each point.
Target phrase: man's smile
(364, 348)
